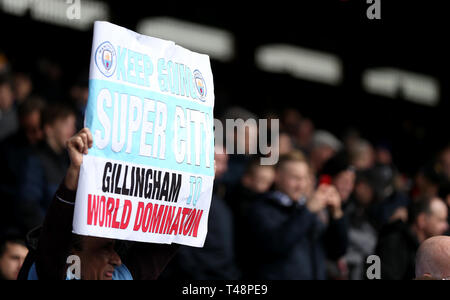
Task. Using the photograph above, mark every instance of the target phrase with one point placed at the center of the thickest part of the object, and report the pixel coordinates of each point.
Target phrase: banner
(149, 175)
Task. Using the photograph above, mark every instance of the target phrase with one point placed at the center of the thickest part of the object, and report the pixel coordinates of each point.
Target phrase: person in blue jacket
(294, 228)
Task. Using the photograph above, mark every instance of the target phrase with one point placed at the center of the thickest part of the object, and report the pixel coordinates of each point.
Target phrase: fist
(333, 198)
(79, 145)
(334, 202)
(318, 201)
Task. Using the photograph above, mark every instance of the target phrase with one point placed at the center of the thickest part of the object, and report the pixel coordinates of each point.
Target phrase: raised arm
(55, 240)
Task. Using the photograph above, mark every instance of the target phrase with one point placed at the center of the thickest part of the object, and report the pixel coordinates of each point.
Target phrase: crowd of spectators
(320, 212)
(329, 203)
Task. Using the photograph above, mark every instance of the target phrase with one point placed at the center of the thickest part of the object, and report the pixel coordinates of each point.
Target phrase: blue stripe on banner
(109, 97)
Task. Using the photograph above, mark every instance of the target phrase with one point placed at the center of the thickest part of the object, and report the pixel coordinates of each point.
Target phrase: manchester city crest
(106, 59)
(200, 84)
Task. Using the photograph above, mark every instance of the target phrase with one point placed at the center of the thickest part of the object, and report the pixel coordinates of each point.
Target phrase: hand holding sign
(76, 147)
(149, 175)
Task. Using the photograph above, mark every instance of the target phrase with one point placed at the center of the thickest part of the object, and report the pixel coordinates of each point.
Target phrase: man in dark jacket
(14, 151)
(291, 236)
(99, 257)
(398, 242)
(256, 181)
(44, 170)
(216, 260)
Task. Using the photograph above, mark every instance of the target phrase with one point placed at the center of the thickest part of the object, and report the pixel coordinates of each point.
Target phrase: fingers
(328, 194)
(84, 138)
(331, 192)
(325, 195)
(322, 192)
(323, 188)
(90, 139)
(81, 141)
(76, 143)
(319, 199)
(334, 199)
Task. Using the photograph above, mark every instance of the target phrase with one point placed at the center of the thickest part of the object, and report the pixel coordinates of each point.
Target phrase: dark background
(410, 36)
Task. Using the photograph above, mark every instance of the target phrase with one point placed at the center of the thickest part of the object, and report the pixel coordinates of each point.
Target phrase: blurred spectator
(4, 67)
(399, 241)
(444, 194)
(362, 154)
(444, 163)
(390, 203)
(22, 86)
(285, 145)
(287, 237)
(240, 138)
(304, 136)
(339, 172)
(14, 152)
(362, 234)
(45, 170)
(12, 255)
(221, 167)
(216, 260)
(325, 145)
(290, 120)
(427, 181)
(433, 259)
(221, 161)
(350, 137)
(8, 113)
(384, 161)
(257, 180)
(30, 120)
(383, 155)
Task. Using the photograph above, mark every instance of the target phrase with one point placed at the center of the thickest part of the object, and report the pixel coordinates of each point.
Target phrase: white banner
(149, 175)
